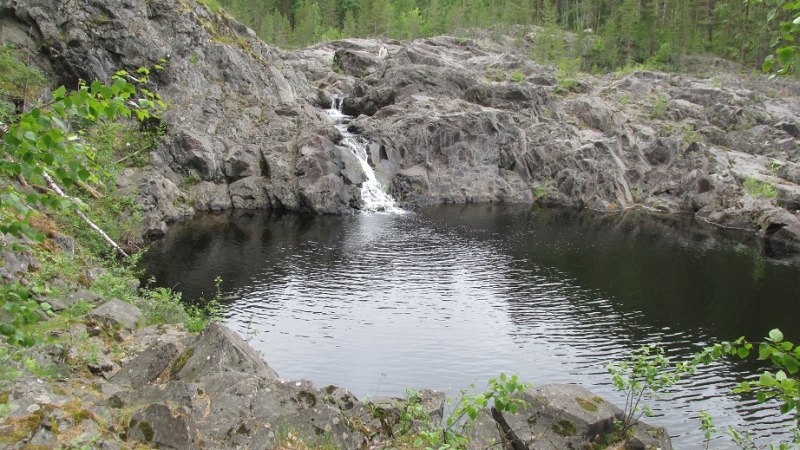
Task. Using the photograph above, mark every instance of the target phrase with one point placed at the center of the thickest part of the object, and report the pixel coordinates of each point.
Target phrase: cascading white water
(372, 193)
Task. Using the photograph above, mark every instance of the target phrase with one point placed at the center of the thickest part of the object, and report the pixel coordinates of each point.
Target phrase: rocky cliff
(446, 119)
(460, 120)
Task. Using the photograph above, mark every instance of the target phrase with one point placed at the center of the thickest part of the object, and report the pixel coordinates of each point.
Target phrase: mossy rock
(586, 404)
(565, 428)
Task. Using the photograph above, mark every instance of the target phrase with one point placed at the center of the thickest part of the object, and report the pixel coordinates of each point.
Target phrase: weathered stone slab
(116, 312)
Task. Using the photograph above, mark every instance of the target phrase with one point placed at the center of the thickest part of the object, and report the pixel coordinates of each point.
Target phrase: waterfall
(373, 195)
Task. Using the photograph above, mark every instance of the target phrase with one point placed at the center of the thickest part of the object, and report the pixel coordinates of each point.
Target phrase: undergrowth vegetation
(61, 213)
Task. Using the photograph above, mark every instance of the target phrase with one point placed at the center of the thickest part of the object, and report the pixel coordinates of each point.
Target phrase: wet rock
(116, 312)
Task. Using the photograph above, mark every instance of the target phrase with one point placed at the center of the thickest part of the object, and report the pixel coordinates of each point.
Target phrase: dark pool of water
(451, 295)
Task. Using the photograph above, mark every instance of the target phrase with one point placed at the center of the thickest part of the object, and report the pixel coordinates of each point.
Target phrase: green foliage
(787, 54)
(659, 107)
(517, 76)
(499, 390)
(624, 101)
(567, 75)
(190, 180)
(213, 5)
(708, 428)
(690, 135)
(163, 306)
(40, 144)
(609, 35)
(18, 303)
(205, 310)
(18, 79)
(644, 377)
(780, 384)
(123, 144)
(757, 188)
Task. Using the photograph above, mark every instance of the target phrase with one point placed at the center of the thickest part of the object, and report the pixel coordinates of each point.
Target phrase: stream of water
(450, 295)
(373, 195)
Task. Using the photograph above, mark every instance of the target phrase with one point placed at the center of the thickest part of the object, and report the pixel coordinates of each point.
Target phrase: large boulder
(560, 416)
(147, 366)
(218, 349)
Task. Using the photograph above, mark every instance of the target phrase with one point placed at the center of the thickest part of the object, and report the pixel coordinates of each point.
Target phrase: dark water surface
(451, 295)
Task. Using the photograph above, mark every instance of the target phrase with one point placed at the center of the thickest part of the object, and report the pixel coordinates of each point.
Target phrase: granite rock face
(240, 121)
(447, 123)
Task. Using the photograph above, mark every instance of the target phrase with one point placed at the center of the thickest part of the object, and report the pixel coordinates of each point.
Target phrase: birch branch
(83, 217)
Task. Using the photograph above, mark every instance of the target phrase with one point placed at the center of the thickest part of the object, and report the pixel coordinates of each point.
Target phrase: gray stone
(147, 367)
(218, 349)
(158, 425)
(171, 392)
(116, 312)
(210, 196)
(81, 294)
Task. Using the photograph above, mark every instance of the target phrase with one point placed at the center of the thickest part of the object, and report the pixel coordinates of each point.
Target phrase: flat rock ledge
(212, 390)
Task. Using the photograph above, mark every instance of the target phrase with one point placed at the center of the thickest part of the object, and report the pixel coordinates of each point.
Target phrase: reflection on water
(452, 295)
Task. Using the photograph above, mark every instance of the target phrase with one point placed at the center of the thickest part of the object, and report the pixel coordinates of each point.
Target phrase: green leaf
(775, 335)
(762, 396)
(745, 386)
(743, 352)
(7, 329)
(766, 379)
(791, 364)
(32, 317)
(96, 86)
(59, 93)
(472, 412)
(785, 56)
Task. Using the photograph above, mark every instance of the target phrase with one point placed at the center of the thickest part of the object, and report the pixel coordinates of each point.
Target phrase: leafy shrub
(162, 305)
(517, 76)
(206, 311)
(642, 378)
(659, 107)
(40, 146)
(780, 383)
(757, 188)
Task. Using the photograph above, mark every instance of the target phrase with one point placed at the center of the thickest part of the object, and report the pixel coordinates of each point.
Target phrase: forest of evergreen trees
(621, 32)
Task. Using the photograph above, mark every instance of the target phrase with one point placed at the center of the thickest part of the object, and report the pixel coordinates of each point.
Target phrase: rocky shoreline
(212, 390)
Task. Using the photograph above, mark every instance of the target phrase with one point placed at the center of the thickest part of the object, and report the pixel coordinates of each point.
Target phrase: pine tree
(349, 25)
(629, 16)
(308, 25)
